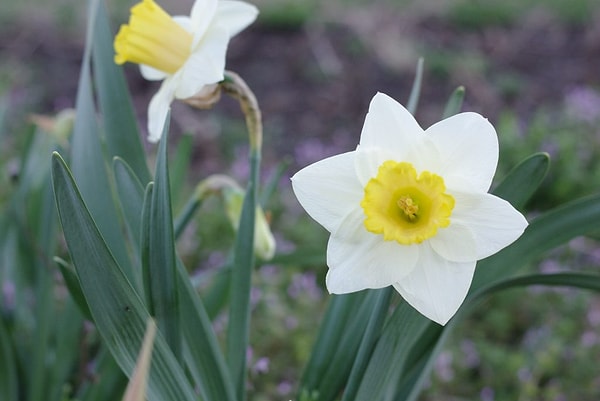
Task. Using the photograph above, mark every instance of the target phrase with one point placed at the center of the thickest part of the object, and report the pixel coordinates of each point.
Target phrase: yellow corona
(404, 207)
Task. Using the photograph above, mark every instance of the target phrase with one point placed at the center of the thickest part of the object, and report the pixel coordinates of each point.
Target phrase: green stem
(238, 333)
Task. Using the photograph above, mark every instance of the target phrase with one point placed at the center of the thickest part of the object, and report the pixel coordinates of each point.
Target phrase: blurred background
(532, 67)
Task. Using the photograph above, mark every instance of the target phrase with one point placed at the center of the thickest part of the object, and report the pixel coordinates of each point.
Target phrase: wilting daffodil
(410, 207)
(187, 53)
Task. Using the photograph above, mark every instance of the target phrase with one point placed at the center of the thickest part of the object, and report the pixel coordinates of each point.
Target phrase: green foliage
(479, 14)
(123, 265)
(572, 145)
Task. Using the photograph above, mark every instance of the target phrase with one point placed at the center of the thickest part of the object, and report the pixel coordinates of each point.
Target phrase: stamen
(408, 206)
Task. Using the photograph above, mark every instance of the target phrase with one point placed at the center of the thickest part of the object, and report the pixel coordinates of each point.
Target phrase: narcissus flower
(409, 207)
(186, 52)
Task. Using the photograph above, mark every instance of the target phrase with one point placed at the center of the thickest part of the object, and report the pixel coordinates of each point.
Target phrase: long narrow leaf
(455, 102)
(238, 332)
(524, 179)
(544, 233)
(568, 279)
(372, 332)
(415, 92)
(131, 196)
(121, 131)
(161, 267)
(118, 312)
(339, 312)
(389, 361)
(341, 363)
(204, 359)
(88, 161)
(8, 367)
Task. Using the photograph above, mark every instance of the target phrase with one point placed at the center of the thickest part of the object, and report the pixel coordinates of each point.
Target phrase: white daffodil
(410, 208)
(186, 52)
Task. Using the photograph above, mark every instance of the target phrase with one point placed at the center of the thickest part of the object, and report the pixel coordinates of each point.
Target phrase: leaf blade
(118, 312)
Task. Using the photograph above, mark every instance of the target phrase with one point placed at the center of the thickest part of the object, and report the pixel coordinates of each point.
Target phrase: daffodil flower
(187, 53)
(410, 207)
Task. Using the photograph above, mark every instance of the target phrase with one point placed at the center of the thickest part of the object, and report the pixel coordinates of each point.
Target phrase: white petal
(328, 190)
(455, 243)
(158, 109)
(388, 125)
(494, 222)
(185, 22)
(352, 226)
(468, 146)
(206, 64)
(235, 15)
(152, 74)
(202, 15)
(436, 287)
(368, 161)
(368, 263)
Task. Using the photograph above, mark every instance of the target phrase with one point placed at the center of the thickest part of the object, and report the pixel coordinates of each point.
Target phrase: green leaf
(160, 269)
(238, 332)
(145, 245)
(415, 93)
(72, 282)
(204, 359)
(394, 354)
(349, 340)
(131, 197)
(89, 165)
(110, 387)
(340, 311)
(122, 135)
(186, 215)
(8, 367)
(272, 183)
(369, 339)
(524, 179)
(216, 297)
(118, 312)
(67, 327)
(180, 166)
(543, 234)
(455, 102)
(568, 279)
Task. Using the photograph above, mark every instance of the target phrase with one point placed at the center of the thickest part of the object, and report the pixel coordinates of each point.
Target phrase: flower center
(405, 207)
(153, 38)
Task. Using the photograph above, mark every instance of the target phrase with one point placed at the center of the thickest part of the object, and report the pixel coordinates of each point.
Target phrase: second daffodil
(410, 207)
(187, 53)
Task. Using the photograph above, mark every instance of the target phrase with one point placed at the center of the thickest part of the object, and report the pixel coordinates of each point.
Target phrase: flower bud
(264, 242)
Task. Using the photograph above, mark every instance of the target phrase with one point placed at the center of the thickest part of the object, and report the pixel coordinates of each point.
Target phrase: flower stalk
(236, 87)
